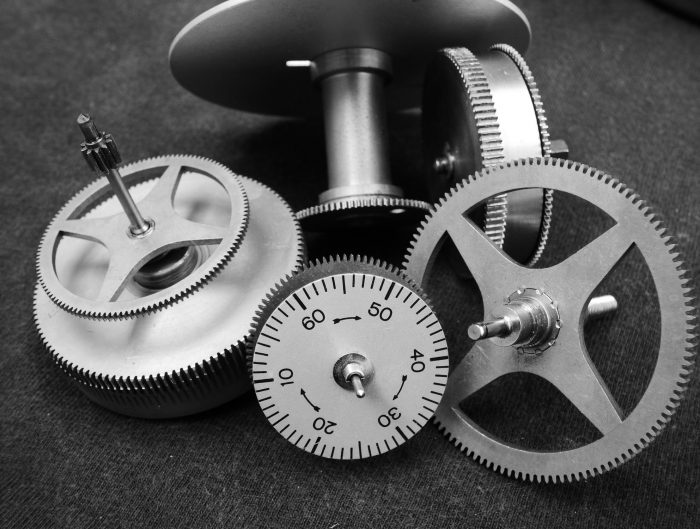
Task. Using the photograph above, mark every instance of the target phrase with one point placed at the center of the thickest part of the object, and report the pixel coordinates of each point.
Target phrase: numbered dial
(349, 361)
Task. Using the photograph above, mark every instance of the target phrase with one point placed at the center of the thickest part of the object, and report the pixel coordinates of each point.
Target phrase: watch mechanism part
(348, 359)
(568, 284)
(357, 149)
(362, 56)
(478, 112)
(363, 211)
(101, 154)
(120, 265)
(529, 320)
(266, 46)
(190, 355)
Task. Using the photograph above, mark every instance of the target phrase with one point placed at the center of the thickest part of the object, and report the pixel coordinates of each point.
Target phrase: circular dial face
(350, 320)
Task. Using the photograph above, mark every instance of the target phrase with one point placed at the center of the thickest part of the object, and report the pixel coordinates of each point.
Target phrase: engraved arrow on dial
(403, 381)
(338, 320)
(303, 394)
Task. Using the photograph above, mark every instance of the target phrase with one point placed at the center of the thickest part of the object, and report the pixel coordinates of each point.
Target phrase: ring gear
(190, 355)
(62, 250)
(333, 321)
(360, 211)
(480, 112)
(570, 284)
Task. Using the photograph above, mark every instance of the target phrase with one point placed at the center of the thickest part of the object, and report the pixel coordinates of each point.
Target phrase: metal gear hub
(348, 359)
(189, 355)
(480, 111)
(569, 284)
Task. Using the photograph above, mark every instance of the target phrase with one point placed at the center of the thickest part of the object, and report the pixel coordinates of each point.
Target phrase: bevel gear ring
(482, 111)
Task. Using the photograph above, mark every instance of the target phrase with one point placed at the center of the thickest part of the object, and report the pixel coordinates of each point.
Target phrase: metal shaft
(357, 148)
(597, 307)
(600, 306)
(102, 155)
(479, 331)
(353, 371)
(138, 224)
(356, 381)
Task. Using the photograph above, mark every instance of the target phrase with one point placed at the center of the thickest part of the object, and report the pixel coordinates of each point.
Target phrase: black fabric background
(621, 83)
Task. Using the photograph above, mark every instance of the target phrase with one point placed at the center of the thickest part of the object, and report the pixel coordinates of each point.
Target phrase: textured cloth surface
(621, 83)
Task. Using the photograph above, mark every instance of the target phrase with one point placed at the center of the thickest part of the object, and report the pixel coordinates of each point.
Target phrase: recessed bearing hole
(168, 268)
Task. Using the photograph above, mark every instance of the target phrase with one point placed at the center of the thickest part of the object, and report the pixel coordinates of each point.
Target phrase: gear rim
(204, 273)
(545, 142)
(481, 87)
(338, 210)
(674, 354)
(217, 376)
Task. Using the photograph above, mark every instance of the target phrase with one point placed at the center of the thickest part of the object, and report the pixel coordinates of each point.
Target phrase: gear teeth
(545, 142)
(535, 95)
(491, 146)
(212, 272)
(347, 204)
(685, 367)
(165, 390)
(315, 270)
(490, 143)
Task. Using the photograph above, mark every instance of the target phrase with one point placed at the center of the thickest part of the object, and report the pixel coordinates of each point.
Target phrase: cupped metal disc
(363, 212)
(236, 53)
(187, 357)
(479, 112)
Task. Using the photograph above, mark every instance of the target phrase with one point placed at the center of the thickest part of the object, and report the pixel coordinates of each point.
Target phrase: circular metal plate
(236, 53)
(321, 316)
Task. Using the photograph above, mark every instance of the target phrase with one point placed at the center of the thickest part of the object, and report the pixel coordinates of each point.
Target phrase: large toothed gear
(189, 355)
(80, 277)
(482, 111)
(562, 291)
(348, 359)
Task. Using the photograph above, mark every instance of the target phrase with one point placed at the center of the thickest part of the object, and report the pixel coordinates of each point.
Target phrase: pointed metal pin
(356, 381)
